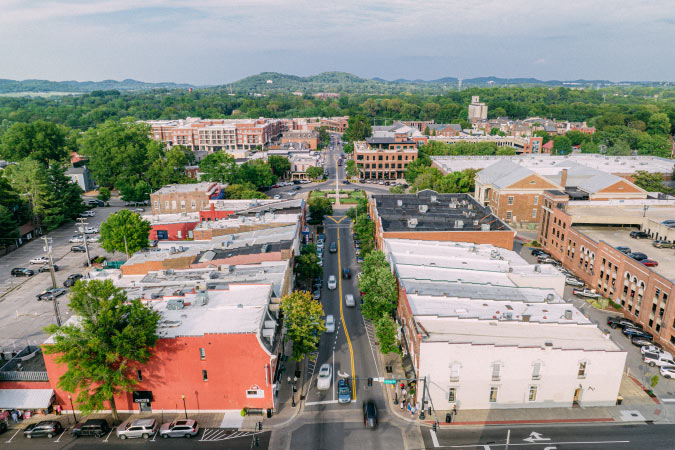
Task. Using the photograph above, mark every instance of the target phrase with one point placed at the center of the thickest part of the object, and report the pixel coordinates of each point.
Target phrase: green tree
(255, 172)
(104, 194)
(42, 141)
(577, 137)
(350, 167)
(348, 148)
(659, 123)
(169, 169)
(650, 182)
(320, 207)
(381, 295)
(125, 231)
(138, 192)
(398, 189)
(112, 337)
(302, 318)
(386, 332)
(314, 172)
(427, 179)
(427, 132)
(497, 132)
(9, 229)
(561, 145)
(620, 148)
(218, 166)
(279, 164)
(416, 168)
(542, 134)
(242, 192)
(506, 151)
(62, 202)
(307, 263)
(364, 228)
(358, 128)
(589, 147)
(324, 137)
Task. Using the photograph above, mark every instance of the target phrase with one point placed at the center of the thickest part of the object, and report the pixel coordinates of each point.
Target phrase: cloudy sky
(218, 41)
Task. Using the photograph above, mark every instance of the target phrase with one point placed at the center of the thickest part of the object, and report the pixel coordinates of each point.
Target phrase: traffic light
(259, 426)
(370, 382)
(433, 427)
(257, 441)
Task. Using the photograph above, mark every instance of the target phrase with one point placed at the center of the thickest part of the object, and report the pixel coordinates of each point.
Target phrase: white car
(88, 213)
(657, 359)
(667, 371)
(89, 230)
(574, 282)
(92, 238)
(277, 197)
(585, 293)
(332, 282)
(76, 240)
(654, 349)
(349, 300)
(325, 377)
(319, 243)
(330, 324)
(39, 260)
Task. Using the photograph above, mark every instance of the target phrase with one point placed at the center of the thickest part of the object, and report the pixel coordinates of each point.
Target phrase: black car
(3, 427)
(637, 256)
(51, 293)
(45, 268)
(22, 272)
(92, 427)
(620, 322)
(639, 235)
(370, 414)
(634, 332)
(49, 428)
(346, 182)
(624, 250)
(297, 188)
(78, 249)
(70, 281)
(346, 273)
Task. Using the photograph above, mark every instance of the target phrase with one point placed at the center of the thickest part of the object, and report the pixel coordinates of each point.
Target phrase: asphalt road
(583, 437)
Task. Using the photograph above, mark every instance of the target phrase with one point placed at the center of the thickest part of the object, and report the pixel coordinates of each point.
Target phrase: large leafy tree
(256, 172)
(324, 137)
(169, 169)
(42, 141)
(385, 331)
(314, 172)
(562, 145)
(381, 295)
(350, 167)
(111, 338)
(659, 123)
(302, 318)
(358, 128)
(319, 207)
(9, 229)
(242, 192)
(104, 194)
(125, 231)
(280, 165)
(650, 182)
(218, 166)
(307, 263)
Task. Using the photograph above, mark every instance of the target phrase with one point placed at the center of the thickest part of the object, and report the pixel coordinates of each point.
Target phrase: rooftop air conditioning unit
(399, 202)
(169, 272)
(434, 199)
(526, 317)
(549, 298)
(485, 227)
(537, 268)
(423, 208)
(568, 314)
(452, 205)
(508, 315)
(202, 298)
(176, 303)
(459, 224)
(412, 223)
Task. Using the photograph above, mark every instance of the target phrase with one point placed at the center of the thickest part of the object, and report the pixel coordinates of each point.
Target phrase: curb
(524, 422)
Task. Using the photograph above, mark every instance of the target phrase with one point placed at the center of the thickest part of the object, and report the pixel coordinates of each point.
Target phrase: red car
(649, 262)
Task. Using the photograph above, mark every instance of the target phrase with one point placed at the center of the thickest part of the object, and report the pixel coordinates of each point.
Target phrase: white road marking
(155, 436)
(10, 439)
(61, 435)
(487, 446)
(108, 436)
(334, 387)
(536, 437)
(377, 368)
(666, 400)
(323, 402)
(434, 438)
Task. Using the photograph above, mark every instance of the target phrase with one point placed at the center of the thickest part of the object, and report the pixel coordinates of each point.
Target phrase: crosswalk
(311, 363)
(220, 434)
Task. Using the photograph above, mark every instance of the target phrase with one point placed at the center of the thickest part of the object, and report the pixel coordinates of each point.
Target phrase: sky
(207, 42)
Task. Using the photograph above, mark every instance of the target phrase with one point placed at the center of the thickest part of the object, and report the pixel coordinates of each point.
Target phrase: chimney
(563, 178)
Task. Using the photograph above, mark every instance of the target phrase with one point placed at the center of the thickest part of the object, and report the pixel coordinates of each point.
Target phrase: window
(533, 394)
(166, 205)
(454, 372)
(493, 394)
(582, 370)
(139, 375)
(179, 234)
(496, 367)
(508, 215)
(193, 204)
(156, 204)
(205, 375)
(202, 354)
(536, 199)
(534, 213)
(182, 204)
(510, 200)
(536, 371)
(173, 204)
(452, 395)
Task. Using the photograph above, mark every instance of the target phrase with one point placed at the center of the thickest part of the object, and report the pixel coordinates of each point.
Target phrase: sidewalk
(285, 411)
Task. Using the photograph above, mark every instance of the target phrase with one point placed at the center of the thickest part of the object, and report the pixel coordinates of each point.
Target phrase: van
(349, 300)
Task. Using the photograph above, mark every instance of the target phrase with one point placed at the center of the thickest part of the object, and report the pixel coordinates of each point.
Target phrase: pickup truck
(585, 293)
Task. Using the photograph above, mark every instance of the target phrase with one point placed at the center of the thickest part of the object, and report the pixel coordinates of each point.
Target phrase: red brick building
(185, 198)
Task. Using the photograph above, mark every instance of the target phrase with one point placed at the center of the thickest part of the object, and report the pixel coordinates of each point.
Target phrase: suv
(637, 256)
(45, 268)
(70, 281)
(78, 249)
(663, 244)
(92, 427)
(179, 428)
(137, 428)
(639, 235)
(620, 322)
(346, 273)
(657, 359)
(51, 294)
(624, 250)
(49, 428)
(22, 272)
(333, 247)
(634, 332)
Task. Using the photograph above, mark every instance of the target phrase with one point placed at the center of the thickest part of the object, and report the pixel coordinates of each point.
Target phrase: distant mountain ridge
(11, 86)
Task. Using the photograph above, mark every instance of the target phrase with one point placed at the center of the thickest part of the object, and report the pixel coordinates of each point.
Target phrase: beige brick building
(178, 198)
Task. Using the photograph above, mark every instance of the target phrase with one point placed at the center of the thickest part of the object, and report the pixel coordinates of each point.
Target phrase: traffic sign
(389, 381)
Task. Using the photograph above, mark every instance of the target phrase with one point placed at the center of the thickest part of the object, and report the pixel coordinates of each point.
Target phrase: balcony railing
(23, 376)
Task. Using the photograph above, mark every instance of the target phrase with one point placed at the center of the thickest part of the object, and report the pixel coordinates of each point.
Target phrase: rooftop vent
(434, 199)
(508, 315)
(526, 317)
(548, 344)
(423, 208)
(412, 223)
(169, 272)
(399, 202)
(176, 303)
(537, 268)
(202, 298)
(568, 314)
(549, 298)
(459, 224)
(485, 227)
(452, 205)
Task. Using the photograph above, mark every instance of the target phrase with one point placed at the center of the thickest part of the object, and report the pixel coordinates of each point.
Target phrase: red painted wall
(173, 229)
(25, 385)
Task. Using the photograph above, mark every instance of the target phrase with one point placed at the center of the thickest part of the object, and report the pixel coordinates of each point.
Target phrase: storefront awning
(142, 396)
(26, 398)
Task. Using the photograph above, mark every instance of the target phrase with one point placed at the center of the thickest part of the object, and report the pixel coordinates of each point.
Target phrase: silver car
(179, 428)
(137, 428)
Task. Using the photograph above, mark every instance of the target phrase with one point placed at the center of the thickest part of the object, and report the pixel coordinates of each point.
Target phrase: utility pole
(48, 249)
(81, 225)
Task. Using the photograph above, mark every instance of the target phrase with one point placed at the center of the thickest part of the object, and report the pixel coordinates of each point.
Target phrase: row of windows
(510, 200)
(497, 367)
(494, 391)
(509, 214)
(379, 166)
(386, 158)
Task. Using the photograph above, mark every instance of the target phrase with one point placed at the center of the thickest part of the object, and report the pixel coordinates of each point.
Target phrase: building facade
(185, 198)
(384, 158)
(477, 110)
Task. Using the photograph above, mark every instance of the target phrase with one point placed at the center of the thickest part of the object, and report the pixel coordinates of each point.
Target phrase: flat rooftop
(430, 211)
(571, 336)
(270, 219)
(183, 188)
(627, 212)
(256, 205)
(619, 237)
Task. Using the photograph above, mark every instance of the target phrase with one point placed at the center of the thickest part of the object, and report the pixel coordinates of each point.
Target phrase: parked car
(585, 293)
(346, 273)
(349, 300)
(637, 256)
(332, 282)
(668, 222)
(654, 348)
(574, 282)
(370, 414)
(78, 249)
(92, 427)
(277, 197)
(72, 279)
(663, 244)
(330, 324)
(137, 428)
(633, 332)
(649, 262)
(621, 322)
(88, 213)
(179, 428)
(333, 247)
(624, 250)
(76, 239)
(51, 294)
(545, 260)
(319, 243)
(22, 272)
(316, 295)
(537, 251)
(3, 427)
(95, 202)
(345, 182)
(49, 428)
(639, 235)
(657, 359)
(359, 259)
(344, 392)
(640, 341)
(45, 268)
(325, 377)
(139, 210)
(667, 371)
(39, 260)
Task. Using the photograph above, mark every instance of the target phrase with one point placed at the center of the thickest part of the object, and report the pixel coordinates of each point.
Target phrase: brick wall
(503, 239)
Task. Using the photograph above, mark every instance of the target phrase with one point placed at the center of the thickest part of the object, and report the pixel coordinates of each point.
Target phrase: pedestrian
(402, 386)
(402, 403)
(58, 410)
(14, 417)
(20, 415)
(403, 392)
(454, 411)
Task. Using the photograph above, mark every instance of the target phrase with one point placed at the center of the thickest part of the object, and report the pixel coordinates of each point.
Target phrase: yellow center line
(342, 317)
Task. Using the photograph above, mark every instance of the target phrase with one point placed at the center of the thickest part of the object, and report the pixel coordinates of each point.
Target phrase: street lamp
(72, 408)
(292, 383)
(184, 408)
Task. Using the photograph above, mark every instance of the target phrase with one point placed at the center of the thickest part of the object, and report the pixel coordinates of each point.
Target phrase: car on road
(330, 324)
(332, 247)
(139, 210)
(297, 188)
(89, 230)
(649, 263)
(39, 260)
(72, 279)
(76, 239)
(22, 272)
(88, 213)
(316, 295)
(663, 244)
(49, 428)
(349, 300)
(369, 414)
(325, 377)
(78, 249)
(657, 359)
(92, 427)
(95, 202)
(637, 256)
(541, 259)
(585, 293)
(344, 392)
(179, 428)
(640, 341)
(624, 250)
(277, 197)
(137, 428)
(574, 282)
(667, 371)
(346, 273)
(359, 259)
(51, 293)
(45, 268)
(332, 282)
(639, 235)
(620, 322)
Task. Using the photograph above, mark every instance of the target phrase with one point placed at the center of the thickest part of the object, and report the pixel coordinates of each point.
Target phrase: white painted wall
(555, 388)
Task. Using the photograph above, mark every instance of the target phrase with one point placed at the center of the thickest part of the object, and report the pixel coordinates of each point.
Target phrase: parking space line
(108, 436)
(61, 435)
(10, 439)
(155, 436)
